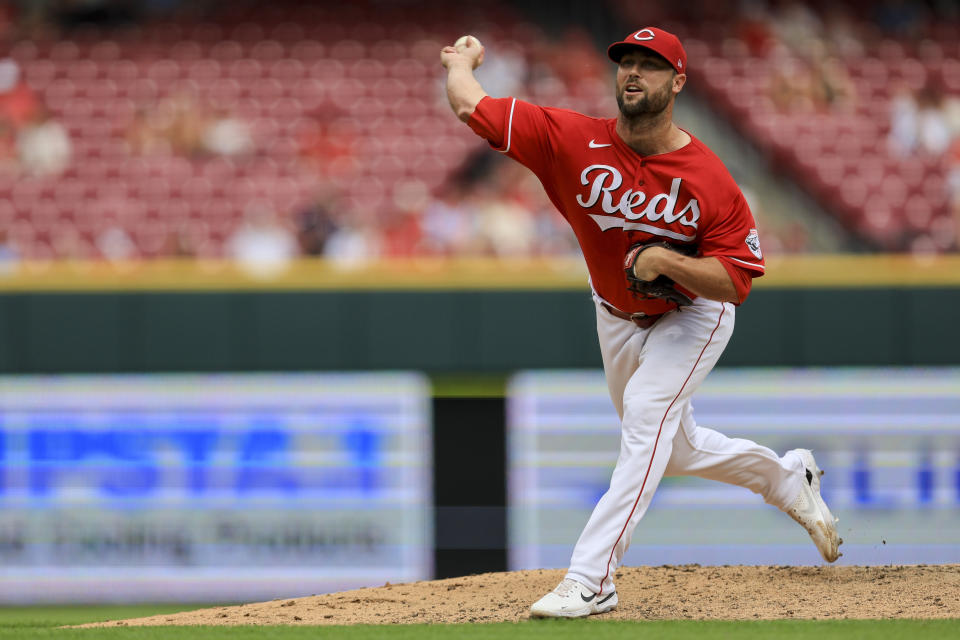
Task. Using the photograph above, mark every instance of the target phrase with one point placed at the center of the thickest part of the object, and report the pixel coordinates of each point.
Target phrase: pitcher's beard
(649, 104)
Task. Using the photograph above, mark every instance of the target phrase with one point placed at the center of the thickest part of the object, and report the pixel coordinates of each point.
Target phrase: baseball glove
(660, 287)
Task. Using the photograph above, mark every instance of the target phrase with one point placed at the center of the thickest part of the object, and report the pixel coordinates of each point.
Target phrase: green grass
(27, 623)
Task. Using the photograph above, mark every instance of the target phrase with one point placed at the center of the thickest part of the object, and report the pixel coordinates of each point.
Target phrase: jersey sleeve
(517, 129)
(733, 240)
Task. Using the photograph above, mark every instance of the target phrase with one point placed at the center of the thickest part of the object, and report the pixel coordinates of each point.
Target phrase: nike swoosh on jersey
(594, 145)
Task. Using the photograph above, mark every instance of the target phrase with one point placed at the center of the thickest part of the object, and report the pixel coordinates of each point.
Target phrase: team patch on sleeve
(753, 243)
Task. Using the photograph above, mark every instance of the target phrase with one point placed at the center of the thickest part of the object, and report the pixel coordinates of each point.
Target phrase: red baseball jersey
(613, 197)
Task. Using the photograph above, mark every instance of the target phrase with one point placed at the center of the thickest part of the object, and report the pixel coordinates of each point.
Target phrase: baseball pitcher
(671, 248)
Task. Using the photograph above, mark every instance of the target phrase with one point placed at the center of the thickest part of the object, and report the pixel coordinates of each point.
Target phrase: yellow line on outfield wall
(445, 274)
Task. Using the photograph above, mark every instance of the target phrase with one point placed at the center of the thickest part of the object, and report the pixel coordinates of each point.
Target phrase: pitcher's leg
(677, 355)
(620, 345)
(790, 483)
(703, 452)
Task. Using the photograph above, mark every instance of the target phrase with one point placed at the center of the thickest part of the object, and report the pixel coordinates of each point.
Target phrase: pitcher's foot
(812, 512)
(572, 600)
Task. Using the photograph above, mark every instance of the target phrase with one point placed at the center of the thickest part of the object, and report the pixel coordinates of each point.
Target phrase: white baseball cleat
(811, 511)
(572, 600)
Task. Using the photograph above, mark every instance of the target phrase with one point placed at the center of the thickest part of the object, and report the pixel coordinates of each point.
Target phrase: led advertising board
(212, 487)
(889, 440)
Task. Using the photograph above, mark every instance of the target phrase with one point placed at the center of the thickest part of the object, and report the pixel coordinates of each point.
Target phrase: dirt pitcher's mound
(646, 593)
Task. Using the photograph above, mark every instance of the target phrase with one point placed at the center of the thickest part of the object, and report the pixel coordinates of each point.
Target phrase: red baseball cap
(658, 41)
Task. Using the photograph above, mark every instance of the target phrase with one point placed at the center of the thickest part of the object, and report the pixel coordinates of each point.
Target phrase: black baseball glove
(660, 287)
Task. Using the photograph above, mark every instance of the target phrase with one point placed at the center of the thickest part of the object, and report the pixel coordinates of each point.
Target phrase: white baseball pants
(652, 373)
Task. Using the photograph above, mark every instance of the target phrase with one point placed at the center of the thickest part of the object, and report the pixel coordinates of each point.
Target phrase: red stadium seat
(287, 32)
(389, 50)
(247, 32)
(409, 69)
(64, 50)
(307, 51)
(205, 32)
(348, 50)
(226, 51)
(24, 51)
(266, 51)
(918, 212)
(287, 71)
(310, 93)
(327, 70)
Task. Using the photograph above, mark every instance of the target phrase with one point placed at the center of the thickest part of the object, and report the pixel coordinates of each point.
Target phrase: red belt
(640, 319)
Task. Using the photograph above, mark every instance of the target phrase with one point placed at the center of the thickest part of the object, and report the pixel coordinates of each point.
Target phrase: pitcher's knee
(652, 411)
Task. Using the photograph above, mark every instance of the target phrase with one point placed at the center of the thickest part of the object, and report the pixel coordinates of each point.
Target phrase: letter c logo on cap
(647, 35)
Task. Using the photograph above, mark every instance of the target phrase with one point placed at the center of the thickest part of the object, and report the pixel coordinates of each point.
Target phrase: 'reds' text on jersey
(613, 197)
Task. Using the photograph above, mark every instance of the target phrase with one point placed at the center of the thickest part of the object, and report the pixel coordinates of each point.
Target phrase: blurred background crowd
(263, 131)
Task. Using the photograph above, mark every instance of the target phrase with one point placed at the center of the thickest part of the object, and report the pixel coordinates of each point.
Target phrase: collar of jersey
(669, 155)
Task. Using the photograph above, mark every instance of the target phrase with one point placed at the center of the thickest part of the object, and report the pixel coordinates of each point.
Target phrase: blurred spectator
(951, 114)
(145, 135)
(841, 32)
(175, 126)
(329, 148)
(185, 124)
(355, 241)
(180, 126)
(28, 135)
(447, 223)
(791, 87)
(188, 240)
(67, 243)
(833, 88)
(315, 225)
(902, 139)
(227, 135)
(44, 146)
(9, 256)
(919, 122)
(115, 244)
(904, 18)
(953, 186)
(18, 102)
(401, 235)
(552, 235)
(9, 161)
(507, 226)
(817, 82)
(505, 73)
(402, 230)
(797, 25)
(933, 131)
(754, 30)
(953, 168)
(262, 245)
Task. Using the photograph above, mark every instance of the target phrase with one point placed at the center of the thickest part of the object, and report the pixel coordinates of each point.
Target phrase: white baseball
(461, 44)
(462, 41)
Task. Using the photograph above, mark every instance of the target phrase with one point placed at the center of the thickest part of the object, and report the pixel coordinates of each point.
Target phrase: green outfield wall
(445, 317)
(475, 331)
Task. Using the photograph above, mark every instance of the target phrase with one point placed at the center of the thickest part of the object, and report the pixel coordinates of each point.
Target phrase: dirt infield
(646, 593)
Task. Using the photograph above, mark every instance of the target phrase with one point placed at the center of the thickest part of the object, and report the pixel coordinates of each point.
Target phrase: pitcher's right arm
(463, 90)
